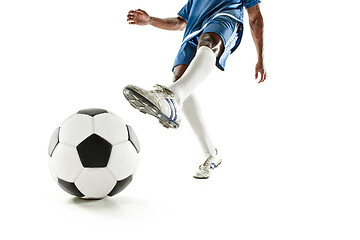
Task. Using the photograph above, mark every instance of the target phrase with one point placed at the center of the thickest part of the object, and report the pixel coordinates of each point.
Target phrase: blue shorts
(226, 27)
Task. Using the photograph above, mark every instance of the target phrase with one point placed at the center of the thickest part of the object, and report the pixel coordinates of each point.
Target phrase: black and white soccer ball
(93, 154)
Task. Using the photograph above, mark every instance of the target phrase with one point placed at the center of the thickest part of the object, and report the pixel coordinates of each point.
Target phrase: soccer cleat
(211, 162)
(159, 103)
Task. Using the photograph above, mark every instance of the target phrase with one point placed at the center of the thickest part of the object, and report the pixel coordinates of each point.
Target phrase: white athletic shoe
(159, 103)
(211, 162)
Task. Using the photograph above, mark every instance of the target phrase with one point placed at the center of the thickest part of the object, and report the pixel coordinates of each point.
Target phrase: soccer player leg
(194, 116)
(199, 68)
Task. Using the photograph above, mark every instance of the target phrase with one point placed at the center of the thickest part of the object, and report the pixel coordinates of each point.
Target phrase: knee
(212, 41)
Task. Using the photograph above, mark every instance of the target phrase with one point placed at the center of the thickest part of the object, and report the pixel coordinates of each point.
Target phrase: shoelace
(162, 89)
(206, 164)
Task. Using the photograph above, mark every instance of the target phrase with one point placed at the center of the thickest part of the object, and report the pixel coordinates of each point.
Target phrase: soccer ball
(93, 154)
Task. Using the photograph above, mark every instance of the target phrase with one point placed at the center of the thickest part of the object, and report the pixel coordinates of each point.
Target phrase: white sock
(193, 115)
(199, 68)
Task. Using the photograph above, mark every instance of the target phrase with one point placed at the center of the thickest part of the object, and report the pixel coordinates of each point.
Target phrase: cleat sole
(142, 104)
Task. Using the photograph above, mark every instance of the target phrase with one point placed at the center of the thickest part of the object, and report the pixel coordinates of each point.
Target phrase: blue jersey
(198, 12)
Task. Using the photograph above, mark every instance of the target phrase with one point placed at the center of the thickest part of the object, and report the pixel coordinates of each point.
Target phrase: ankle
(211, 152)
(176, 96)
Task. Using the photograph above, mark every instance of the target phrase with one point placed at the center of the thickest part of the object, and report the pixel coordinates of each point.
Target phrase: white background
(290, 146)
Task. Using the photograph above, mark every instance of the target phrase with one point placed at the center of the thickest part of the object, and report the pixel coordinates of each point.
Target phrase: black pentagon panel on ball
(54, 141)
(92, 111)
(70, 188)
(94, 151)
(133, 138)
(120, 185)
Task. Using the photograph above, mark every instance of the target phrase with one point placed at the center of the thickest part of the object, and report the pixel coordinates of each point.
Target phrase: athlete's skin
(211, 40)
